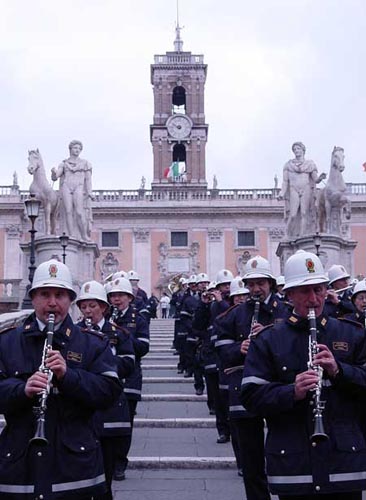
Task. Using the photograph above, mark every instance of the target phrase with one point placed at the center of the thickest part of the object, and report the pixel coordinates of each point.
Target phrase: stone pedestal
(333, 250)
(80, 257)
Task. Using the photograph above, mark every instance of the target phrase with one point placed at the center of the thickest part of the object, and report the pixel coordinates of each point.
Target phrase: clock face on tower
(179, 126)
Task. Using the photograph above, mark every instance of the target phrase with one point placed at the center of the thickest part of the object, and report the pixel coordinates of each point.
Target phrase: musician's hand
(256, 328)
(56, 363)
(304, 382)
(205, 298)
(332, 296)
(35, 384)
(217, 295)
(326, 360)
(245, 346)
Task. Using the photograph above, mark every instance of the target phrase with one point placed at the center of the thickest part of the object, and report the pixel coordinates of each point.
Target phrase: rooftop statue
(76, 192)
(333, 199)
(42, 189)
(300, 177)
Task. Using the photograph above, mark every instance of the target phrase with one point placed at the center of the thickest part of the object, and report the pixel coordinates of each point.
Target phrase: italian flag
(172, 171)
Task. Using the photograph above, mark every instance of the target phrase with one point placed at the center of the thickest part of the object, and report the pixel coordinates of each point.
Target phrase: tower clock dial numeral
(179, 126)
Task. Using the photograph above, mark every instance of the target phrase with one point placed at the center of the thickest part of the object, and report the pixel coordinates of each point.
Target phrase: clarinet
(255, 317)
(319, 405)
(114, 315)
(40, 410)
(88, 324)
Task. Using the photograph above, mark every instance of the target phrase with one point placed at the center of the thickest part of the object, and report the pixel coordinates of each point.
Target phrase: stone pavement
(174, 453)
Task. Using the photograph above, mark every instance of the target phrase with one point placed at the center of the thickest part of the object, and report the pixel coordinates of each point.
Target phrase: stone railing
(180, 193)
(178, 58)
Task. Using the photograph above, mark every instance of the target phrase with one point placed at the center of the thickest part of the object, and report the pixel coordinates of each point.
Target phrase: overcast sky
(279, 71)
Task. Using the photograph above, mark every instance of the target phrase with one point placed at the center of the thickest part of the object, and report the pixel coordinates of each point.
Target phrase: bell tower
(179, 133)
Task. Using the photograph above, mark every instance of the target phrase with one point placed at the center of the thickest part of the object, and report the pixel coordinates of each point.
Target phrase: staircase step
(158, 367)
(167, 380)
(181, 463)
(181, 423)
(174, 397)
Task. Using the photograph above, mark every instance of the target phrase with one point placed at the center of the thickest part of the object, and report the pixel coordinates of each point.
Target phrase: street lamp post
(32, 206)
(64, 240)
(317, 241)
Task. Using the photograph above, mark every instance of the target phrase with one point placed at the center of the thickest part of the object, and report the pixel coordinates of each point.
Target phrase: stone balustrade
(354, 190)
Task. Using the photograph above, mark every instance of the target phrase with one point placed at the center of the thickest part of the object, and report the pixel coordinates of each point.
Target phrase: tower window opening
(179, 100)
(179, 163)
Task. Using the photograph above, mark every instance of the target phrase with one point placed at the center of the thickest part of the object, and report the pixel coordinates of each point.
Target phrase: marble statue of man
(76, 192)
(300, 177)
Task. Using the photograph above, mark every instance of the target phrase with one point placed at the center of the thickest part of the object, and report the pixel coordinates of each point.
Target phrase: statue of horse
(42, 189)
(333, 200)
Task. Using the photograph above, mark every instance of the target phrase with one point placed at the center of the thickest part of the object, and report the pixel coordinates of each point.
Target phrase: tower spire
(178, 42)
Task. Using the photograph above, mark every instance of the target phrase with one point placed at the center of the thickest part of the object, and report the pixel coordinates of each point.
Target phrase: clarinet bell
(319, 434)
(39, 437)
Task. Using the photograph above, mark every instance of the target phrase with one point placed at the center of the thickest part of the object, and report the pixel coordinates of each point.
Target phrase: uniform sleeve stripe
(219, 343)
(254, 380)
(142, 339)
(110, 374)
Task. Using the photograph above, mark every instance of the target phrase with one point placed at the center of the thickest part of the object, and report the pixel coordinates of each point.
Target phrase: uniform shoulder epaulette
(223, 314)
(351, 321)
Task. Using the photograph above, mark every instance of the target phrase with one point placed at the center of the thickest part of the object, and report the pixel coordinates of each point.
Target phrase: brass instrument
(40, 410)
(174, 285)
(255, 317)
(319, 433)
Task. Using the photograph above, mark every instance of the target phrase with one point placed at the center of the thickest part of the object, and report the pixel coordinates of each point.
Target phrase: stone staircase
(173, 429)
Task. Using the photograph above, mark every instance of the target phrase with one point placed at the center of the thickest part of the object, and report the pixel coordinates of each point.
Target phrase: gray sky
(279, 71)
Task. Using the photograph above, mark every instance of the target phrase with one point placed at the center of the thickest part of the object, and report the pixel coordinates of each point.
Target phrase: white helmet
(280, 280)
(132, 275)
(108, 286)
(92, 290)
(211, 285)
(224, 276)
(360, 287)
(337, 272)
(202, 278)
(182, 280)
(53, 273)
(304, 268)
(121, 285)
(258, 267)
(237, 287)
(118, 274)
(192, 279)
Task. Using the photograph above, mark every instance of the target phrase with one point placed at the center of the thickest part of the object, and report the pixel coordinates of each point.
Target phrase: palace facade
(179, 225)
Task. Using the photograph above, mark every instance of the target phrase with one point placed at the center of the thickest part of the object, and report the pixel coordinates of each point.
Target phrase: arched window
(178, 169)
(179, 100)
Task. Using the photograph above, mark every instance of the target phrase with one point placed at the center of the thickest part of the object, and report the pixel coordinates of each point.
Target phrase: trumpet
(40, 410)
(319, 433)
